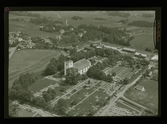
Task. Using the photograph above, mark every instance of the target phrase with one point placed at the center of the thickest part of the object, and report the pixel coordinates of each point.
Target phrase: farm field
(26, 18)
(121, 105)
(26, 27)
(24, 113)
(26, 58)
(149, 98)
(35, 66)
(142, 41)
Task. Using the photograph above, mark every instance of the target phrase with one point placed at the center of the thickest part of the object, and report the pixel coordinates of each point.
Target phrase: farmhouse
(139, 87)
(62, 31)
(82, 65)
(154, 58)
(129, 50)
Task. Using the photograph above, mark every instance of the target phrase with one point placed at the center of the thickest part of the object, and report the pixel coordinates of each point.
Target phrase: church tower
(67, 64)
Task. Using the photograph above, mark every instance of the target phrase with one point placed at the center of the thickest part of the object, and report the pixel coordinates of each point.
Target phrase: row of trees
(20, 92)
(117, 13)
(77, 18)
(141, 24)
(147, 15)
(98, 18)
(45, 21)
(24, 13)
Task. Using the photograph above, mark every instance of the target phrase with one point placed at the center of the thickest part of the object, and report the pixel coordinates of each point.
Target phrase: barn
(129, 50)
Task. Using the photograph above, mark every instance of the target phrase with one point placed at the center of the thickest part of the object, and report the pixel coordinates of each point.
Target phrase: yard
(149, 97)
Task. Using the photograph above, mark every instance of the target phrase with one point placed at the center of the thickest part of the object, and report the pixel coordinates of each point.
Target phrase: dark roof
(81, 64)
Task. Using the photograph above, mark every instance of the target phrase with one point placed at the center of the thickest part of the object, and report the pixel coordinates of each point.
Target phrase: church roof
(81, 64)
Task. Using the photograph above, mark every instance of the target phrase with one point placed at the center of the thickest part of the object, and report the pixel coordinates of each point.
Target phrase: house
(139, 87)
(129, 50)
(71, 29)
(154, 58)
(150, 74)
(62, 31)
(80, 34)
(140, 55)
(82, 65)
(58, 37)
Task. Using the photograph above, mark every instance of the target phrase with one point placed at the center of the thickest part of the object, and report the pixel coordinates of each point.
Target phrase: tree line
(77, 18)
(147, 15)
(141, 24)
(24, 13)
(117, 13)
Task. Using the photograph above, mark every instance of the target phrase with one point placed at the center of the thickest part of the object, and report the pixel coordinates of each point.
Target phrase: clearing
(149, 98)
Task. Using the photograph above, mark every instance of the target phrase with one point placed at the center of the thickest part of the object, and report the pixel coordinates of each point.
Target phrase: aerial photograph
(82, 64)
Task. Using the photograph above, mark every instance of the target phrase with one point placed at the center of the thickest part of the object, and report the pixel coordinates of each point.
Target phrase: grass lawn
(149, 98)
(40, 84)
(24, 113)
(142, 41)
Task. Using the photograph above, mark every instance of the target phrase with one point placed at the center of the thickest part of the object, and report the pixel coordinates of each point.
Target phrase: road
(11, 51)
(119, 95)
(61, 17)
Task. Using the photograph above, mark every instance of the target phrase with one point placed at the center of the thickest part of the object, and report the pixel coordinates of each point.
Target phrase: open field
(142, 41)
(40, 84)
(149, 98)
(26, 18)
(126, 106)
(29, 28)
(26, 58)
(24, 113)
(36, 65)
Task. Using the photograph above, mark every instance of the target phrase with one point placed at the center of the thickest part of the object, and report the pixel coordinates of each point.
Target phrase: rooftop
(139, 87)
(81, 64)
(129, 49)
(144, 55)
(154, 57)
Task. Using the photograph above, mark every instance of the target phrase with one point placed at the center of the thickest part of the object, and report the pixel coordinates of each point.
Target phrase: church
(82, 65)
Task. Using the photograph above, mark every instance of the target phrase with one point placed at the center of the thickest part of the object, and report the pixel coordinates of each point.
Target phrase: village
(88, 78)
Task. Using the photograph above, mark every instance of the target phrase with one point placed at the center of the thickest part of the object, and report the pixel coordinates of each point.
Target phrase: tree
(113, 74)
(74, 102)
(125, 81)
(61, 102)
(47, 97)
(72, 76)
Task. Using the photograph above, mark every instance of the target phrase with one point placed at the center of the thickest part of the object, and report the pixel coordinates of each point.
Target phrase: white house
(139, 87)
